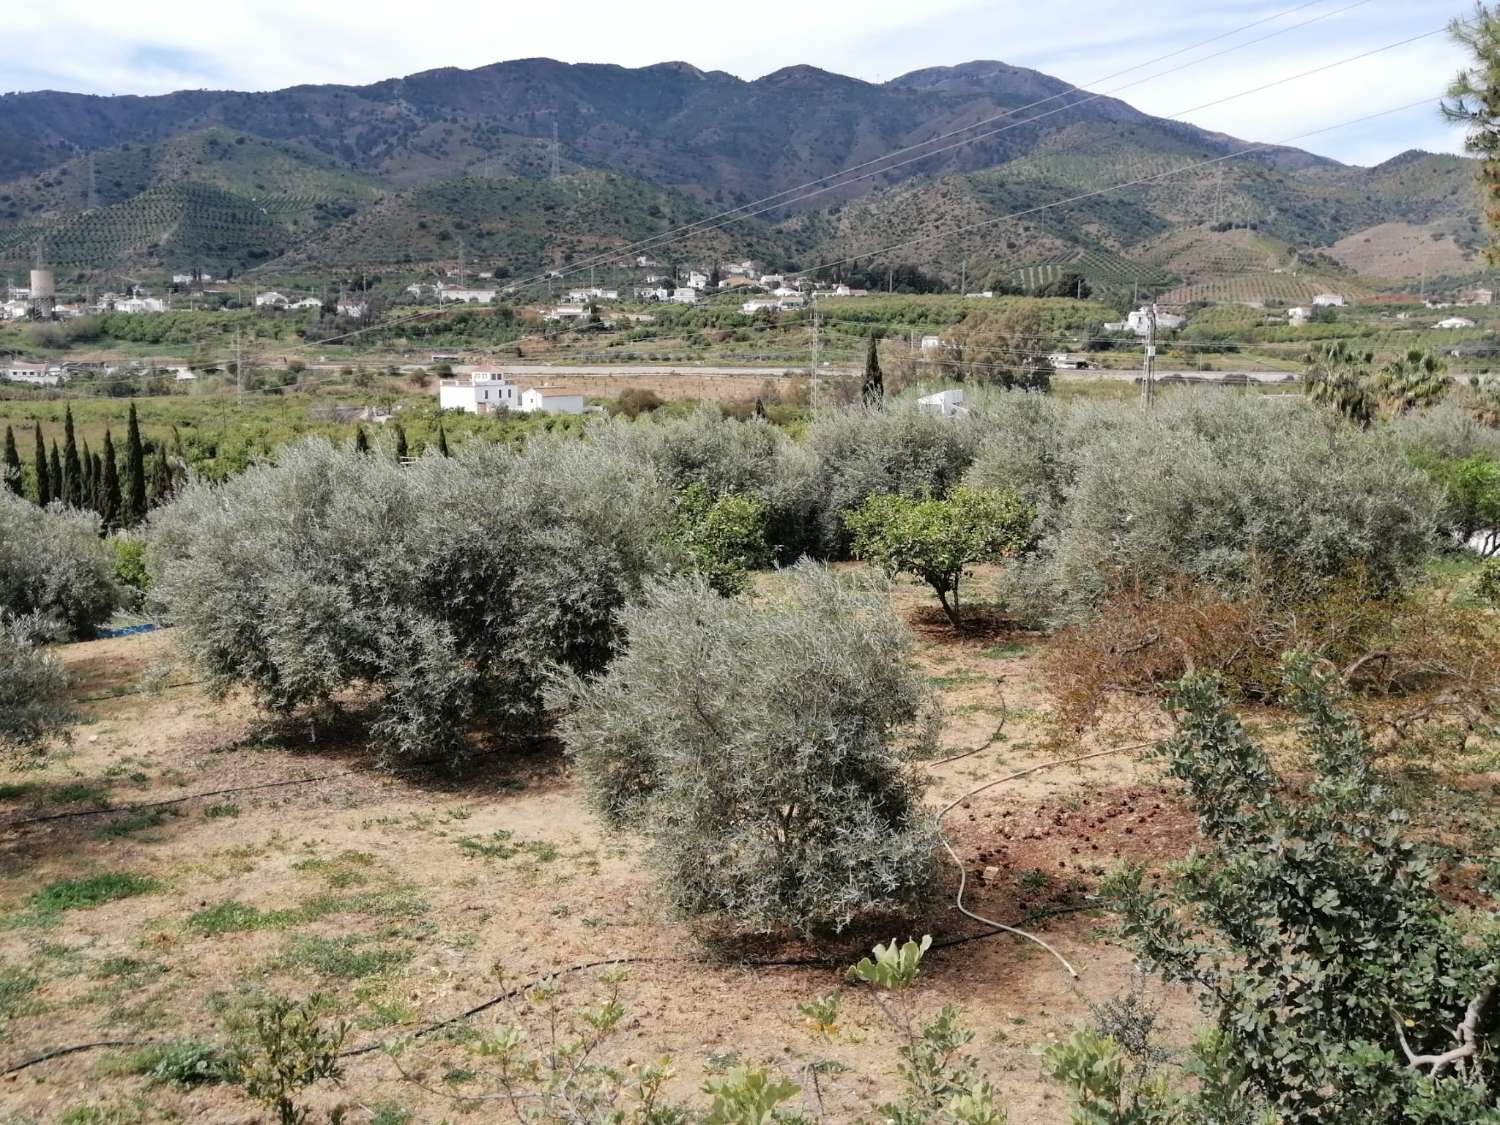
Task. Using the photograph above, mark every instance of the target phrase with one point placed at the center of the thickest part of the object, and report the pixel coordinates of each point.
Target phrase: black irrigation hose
(110, 809)
(510, 994)
(136, 691)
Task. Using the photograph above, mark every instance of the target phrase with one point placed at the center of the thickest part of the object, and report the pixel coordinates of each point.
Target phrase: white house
(1139, 321)
(307, 303)
(1299, 315)
(948, 404)
(14, 310)
(182, 374)
(645, 262)
(355, 309)
(1062, 361)
(1455, 322)
(653, 294)
(1332, 300)
(931, 343)
(567, 312)
(416, 290)
(37, 374)
(465, 296)
(771, 280)
(750, 308)
(544, 401)
(482, 393)
(140, 305)
(685, 296)
(271, 300)
(697, 280)
(792, 301)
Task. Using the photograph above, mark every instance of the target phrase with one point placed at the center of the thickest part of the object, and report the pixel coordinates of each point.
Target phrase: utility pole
(815, 337)
(1148, 381)
(963, 278)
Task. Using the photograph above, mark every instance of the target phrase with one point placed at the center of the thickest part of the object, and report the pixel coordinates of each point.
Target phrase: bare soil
(399, 896)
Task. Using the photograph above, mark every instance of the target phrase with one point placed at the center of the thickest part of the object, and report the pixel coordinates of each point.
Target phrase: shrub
(723, 539)
(53, 566)
(130, 573)
(1217, 490)
(898, 450)
(1313, 929)
(446, 586)
(635, 401)
(280, 1048)
(33, 687)
(765, 750)
(938, 540)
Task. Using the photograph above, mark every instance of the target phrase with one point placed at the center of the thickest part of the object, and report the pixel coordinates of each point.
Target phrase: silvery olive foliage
(1211, 489)
(54, 566)
(445, 586)
(33, 685)
(720, 457)
(765, 748)
(864, 451)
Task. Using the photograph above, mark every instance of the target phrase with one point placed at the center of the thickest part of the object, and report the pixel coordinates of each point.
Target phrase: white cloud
(106, 47)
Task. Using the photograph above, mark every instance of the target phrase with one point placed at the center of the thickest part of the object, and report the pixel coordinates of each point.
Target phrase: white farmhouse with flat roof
(488, 391)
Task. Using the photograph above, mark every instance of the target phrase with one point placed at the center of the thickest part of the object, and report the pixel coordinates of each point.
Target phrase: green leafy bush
(938, 540)
(898, 450)
(764, 748)
(723, 539)
(1343, 984)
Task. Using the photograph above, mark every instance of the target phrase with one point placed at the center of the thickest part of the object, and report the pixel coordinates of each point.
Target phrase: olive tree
(445, 587)
(765, 749)
(33, 685)
(898, 450)
(54, 566)
(1218, 490)
(939, 540)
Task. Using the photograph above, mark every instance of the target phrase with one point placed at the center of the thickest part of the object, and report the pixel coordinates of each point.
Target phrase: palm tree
(1340, 377)
(1413, 381)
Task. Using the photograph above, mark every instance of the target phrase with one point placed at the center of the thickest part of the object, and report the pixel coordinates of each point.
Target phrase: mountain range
(533, 164)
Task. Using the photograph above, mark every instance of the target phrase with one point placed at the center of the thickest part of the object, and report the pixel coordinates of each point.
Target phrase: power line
(778, 200)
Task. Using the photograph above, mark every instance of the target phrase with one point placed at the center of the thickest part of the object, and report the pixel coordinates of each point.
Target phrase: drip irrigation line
(111, 809)
(137, 691)
(963, 874)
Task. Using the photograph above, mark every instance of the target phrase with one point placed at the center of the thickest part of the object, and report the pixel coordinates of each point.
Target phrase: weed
(234, 917)
(1034, 880)
(91, 890)
(1000, 652)
(495, 846)
(389, 1113)
(16, 985)
(135, 822)
(224, 809)
(183, 1063)
(342, 957)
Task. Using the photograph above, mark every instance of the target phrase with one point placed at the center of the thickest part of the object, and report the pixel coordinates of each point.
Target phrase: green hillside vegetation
(523, 225)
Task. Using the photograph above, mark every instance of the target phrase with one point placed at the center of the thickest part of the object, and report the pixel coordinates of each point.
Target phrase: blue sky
(104, 47)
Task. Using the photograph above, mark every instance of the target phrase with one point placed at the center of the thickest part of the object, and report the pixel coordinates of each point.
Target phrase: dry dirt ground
(398, 896)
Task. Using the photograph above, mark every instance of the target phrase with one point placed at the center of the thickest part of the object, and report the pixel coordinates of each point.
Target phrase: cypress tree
(90, 486)
(72, 471)
(109, 488)
(400, 442)
(98, 479)
(12, 463)
(54, 466)
(135, 472)
(161, 476)
(442, 441)
(874, 386)
(361, 441)
(43, 475)
(179, 462)
(760, 407)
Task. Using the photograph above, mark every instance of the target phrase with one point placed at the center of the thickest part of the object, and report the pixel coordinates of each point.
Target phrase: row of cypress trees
(95, 481)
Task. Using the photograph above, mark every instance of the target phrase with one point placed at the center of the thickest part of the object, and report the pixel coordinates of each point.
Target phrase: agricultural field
(398, 897)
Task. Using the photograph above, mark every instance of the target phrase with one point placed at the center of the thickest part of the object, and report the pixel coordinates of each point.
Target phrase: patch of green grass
(389, 1113)
(120, 1112)
(16, 985)
(344, 958)
(957, 679)
(224, 809)
(129, 969)
(347, 869)
(1000, 652)
(90, 890)
(230, 917)
(495, 846)
(68, 793)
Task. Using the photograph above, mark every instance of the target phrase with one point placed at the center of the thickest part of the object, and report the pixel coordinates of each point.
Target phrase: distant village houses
(465, 296)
